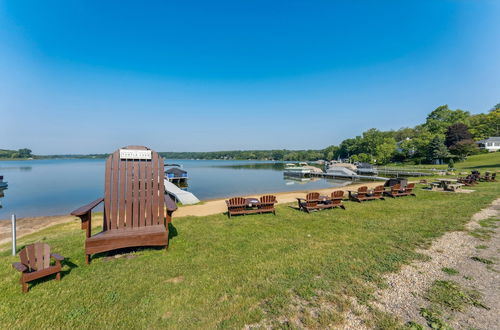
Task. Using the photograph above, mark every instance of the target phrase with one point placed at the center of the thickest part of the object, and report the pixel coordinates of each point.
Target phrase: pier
(184, 197)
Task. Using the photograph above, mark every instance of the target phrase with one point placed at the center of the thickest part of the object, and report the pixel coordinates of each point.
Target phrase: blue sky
(91, 76)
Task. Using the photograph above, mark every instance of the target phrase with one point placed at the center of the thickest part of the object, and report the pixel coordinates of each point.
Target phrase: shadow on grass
(67, 267)
(482, 166)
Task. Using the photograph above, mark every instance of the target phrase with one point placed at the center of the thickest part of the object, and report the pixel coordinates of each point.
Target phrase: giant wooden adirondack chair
(134, 203)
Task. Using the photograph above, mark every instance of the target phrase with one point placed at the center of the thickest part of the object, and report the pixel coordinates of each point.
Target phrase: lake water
(59, 186)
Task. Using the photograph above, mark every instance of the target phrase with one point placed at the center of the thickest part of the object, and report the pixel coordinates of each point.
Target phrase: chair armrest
(169, 203)
(86, 208)
(57, 256)
(19, 266)
(300, 199)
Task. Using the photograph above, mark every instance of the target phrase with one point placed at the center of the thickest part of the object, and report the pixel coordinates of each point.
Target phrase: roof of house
(175, 171)
(490, 139)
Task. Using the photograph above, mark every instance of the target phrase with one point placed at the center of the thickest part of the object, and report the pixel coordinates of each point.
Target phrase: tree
(442, 117)
(437, 151)
(483, 126)
(456, 133)
(24, 153)
(385, 151)
(451, 164)
(464, 148)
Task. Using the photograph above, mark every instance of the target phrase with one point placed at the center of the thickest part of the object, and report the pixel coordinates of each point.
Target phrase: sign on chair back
(134, 203)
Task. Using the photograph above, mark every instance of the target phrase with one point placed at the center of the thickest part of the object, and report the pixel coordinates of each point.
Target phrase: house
(490, 144)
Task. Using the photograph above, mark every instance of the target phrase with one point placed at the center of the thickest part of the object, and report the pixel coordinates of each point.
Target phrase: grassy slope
(227, 273)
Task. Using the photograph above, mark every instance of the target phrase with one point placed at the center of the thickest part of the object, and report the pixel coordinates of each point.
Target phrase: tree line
(445, 135)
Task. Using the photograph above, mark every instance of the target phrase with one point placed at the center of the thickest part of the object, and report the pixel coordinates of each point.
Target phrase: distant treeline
(21, 153)
(446, 135)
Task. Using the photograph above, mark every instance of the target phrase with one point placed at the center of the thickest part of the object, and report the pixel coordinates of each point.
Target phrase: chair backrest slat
(312, 199)
(159, 193)
(36, 256)
(134, 191)
(122, 195)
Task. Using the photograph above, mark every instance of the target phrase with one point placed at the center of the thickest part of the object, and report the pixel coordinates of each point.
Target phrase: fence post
(13, 224)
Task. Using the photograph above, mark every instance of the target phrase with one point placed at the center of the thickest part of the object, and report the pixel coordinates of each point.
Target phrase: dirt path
(455, 250)
(27, 226)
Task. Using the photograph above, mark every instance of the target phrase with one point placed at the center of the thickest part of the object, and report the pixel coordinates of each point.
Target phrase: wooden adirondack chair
(134, 200)
(266, 204)
(310, 203)
(378, 193)
(408, 190)
(236, 206)
(336, 199)
(486, 177)
(360, 195)
(493, 177)
(395, 191)
(35, 264)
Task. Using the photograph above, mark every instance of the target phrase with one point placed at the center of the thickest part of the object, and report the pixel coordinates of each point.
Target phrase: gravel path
(404, 297)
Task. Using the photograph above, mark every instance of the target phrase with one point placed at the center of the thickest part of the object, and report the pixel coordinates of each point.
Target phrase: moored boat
(3, 184)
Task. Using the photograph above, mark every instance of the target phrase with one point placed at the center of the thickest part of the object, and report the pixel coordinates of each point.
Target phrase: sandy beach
(30, 225)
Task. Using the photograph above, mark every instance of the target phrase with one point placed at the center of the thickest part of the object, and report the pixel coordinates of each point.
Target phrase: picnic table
(446, 184)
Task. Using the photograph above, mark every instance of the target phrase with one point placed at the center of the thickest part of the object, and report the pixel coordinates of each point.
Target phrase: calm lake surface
(59, 186)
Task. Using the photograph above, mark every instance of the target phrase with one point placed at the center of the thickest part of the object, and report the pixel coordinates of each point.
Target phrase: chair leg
(58, 276)
(87, 259)
(24, 287)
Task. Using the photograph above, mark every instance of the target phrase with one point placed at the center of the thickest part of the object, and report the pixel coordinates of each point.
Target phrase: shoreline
(29, 225)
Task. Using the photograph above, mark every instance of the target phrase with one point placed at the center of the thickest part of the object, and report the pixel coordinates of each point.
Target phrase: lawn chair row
(475, 177)
(241, 205)
(314, 201)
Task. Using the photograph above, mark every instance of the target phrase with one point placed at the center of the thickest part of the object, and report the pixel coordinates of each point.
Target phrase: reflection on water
(2, 194)
(59, 186)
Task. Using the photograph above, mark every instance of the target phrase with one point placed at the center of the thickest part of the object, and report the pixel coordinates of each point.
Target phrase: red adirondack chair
(134, 203)
(35, 263)
(236, 206)
(395, 191)
(378, 193)
(336, 199)
(360, 195)
(311, 202)
(266, 204)
(408, 190)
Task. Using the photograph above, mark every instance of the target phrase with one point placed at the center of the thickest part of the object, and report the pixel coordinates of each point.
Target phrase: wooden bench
(134, 203)
(35, 263)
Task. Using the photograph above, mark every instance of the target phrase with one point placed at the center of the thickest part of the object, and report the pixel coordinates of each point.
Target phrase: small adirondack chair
(395, 191)
(360, 195)
(408, 190)
(236, 206)
(134, 203)
(35, 263)
(266, 204)
(493, 177)
(310, 203)
(336, 199)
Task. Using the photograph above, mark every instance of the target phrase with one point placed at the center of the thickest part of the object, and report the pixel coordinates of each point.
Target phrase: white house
(490, 144)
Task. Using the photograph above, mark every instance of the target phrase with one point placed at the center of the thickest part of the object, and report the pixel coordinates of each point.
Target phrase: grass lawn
(221, 272)
(483, 162)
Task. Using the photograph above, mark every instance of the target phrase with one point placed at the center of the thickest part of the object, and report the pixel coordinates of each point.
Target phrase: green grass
(482, 162)
(226, 273)
(450, 271)
(452, 296)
